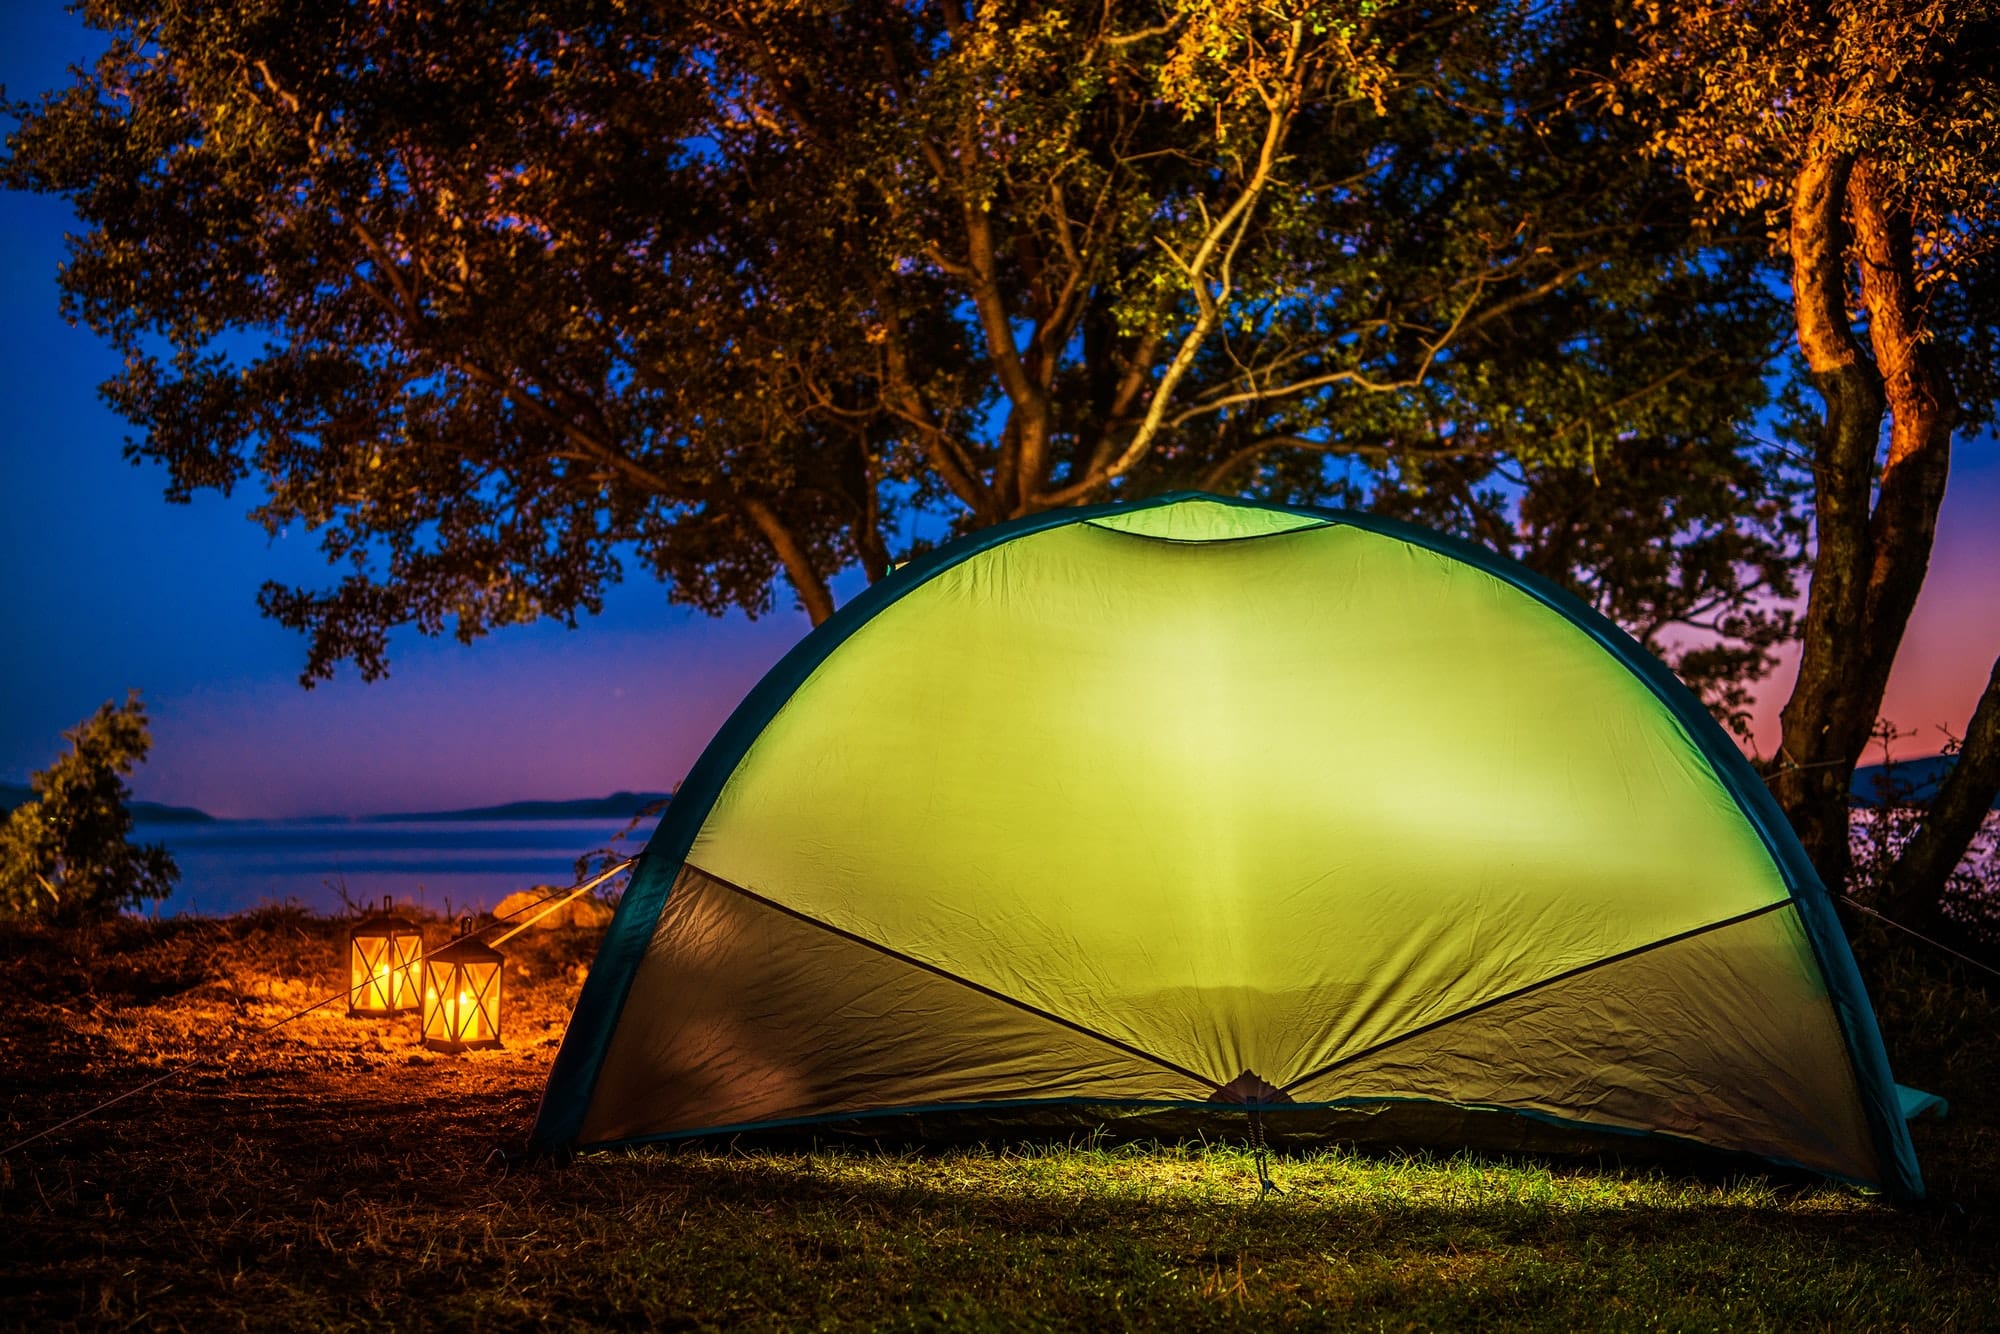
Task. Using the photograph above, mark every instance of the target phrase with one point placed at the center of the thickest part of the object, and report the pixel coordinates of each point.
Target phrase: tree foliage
(66, 853)
(1865, 136)
(501, 299)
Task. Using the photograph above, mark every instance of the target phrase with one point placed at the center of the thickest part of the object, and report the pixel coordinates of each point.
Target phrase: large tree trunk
(1917, 881)
(1869, 560)
(1820, 740)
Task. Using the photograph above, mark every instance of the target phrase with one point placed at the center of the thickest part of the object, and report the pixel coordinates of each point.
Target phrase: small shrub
(66, 855)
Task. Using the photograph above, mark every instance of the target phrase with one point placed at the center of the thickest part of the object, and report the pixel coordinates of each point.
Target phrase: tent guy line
(1912, 931)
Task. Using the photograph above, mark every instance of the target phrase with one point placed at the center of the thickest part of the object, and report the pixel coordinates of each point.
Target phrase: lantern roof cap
(386, 916)
(467, 948)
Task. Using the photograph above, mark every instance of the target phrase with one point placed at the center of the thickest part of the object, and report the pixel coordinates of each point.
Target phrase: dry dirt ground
(255, 1118)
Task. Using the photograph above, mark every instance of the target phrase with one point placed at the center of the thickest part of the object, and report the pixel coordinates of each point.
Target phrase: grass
(331, 1175)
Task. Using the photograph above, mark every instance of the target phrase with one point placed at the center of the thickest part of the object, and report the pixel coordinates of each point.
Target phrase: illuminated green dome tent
(1142, 816)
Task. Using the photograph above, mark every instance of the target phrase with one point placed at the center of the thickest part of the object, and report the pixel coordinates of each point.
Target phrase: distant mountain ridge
(617, 806)
(1918, 779)
(143, 812)
(1915, 780)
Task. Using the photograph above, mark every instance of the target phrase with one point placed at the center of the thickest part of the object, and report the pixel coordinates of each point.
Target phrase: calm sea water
(444, 865)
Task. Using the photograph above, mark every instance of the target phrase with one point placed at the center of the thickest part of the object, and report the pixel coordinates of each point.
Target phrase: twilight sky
(106, 587)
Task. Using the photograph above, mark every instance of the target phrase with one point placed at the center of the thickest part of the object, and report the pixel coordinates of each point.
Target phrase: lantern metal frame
(460, 996)
(383, 953)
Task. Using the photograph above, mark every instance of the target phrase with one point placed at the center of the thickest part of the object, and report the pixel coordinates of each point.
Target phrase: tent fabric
(1144, 806)
(1916, 1103)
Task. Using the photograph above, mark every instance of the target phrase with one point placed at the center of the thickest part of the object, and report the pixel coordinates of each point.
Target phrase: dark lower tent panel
(762, 1021)
(1143, 818)
(756, 1016)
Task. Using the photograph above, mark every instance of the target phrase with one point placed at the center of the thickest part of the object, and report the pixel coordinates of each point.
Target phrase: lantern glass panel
(382, 953)
(461, 997)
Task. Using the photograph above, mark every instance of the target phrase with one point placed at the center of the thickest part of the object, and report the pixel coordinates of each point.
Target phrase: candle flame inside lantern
(461, 1005)
(383, 949)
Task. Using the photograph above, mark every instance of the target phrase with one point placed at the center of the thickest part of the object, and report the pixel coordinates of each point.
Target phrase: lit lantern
(382, 953)
(462, 995)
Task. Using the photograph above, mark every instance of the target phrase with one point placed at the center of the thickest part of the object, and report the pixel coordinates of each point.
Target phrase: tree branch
(1462, 321)
(1219, 245)
(1918, 879)
(806, 581)
(1378, 453)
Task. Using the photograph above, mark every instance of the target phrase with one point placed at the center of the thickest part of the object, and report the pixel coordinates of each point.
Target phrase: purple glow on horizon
(1954, 635)
(533, 715)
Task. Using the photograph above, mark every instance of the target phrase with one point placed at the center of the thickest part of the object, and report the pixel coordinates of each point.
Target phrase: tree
(65, 854)
(1866, 136)
(499, 298)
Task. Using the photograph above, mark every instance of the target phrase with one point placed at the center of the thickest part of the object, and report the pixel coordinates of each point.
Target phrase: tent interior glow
(1130, 812)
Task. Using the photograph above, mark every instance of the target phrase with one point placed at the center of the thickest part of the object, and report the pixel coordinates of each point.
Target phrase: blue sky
(108, 587)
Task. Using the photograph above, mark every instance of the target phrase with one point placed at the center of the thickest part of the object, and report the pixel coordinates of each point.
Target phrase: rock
(584, 910)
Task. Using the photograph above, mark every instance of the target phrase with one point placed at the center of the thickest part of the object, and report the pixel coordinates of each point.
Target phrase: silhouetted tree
(66, 853)
(499, 298)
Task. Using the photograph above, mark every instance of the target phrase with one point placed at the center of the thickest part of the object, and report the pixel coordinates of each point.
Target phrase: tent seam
(966, 982)
(1102, 527)
(1566, 975)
